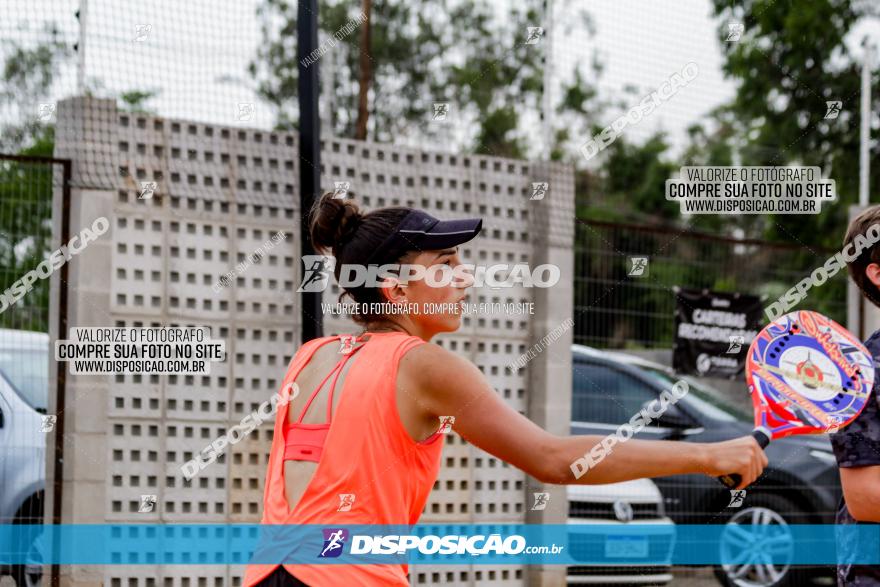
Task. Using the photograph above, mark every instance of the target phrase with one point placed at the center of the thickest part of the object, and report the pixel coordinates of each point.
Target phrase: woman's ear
(391, 290)
(872, 272)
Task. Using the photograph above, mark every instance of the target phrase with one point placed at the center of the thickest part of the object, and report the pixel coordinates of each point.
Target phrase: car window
(707, 403)
(605, 395)
(27, 370)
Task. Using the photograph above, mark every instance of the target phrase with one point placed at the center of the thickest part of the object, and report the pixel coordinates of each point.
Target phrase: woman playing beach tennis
(365, 448)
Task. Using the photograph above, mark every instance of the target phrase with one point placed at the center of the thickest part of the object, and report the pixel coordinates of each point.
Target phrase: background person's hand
(741, 455)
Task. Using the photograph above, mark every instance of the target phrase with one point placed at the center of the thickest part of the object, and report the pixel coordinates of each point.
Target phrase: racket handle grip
(733, 480)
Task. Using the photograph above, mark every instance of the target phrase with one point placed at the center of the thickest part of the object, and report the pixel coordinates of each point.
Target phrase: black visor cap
(419, 231)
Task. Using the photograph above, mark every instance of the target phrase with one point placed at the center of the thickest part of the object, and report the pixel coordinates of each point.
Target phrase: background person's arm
(444, 384)
(857, 449)
(861, 490)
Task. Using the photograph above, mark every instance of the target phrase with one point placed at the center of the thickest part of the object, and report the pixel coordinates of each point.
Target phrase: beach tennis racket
(806, 375)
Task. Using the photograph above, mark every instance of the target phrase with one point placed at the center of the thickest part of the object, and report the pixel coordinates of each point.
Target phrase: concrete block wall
(220, 193)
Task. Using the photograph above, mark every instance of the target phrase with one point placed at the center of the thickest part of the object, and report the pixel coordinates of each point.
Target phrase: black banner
(713, 331)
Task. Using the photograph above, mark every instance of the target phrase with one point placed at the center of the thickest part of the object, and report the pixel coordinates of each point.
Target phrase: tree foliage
(26, 188)
(792, 58)
(470, 54)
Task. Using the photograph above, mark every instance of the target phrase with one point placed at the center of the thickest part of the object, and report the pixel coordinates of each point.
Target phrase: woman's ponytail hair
(338, 226)
(334, 222)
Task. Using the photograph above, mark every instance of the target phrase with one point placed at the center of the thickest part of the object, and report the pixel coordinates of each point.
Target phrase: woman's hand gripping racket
(806, 375)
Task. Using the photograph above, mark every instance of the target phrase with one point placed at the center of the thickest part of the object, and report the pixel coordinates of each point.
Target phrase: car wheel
(30, 574)
(758, 546)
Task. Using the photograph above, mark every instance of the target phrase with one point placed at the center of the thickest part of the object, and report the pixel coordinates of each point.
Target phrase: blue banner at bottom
(560, 544)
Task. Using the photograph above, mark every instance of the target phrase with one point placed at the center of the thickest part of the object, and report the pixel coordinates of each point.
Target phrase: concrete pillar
(84, 134)
(551, 231)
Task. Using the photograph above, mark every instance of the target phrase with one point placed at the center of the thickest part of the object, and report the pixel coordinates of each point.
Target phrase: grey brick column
(551, 230)
(84, 133)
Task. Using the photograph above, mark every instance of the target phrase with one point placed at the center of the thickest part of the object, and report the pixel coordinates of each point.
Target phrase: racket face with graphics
(807, 375)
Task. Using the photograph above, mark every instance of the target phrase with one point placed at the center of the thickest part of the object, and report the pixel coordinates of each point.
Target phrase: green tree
(471, 55)
(26, 189)
(135, 101)
(791, 59)
(25, 82)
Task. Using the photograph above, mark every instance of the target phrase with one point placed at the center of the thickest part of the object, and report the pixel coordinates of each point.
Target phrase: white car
(24, 384)
(598, 517)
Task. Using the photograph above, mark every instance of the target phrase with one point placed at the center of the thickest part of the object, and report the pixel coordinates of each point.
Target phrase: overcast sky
(642, 43)
(186, 47)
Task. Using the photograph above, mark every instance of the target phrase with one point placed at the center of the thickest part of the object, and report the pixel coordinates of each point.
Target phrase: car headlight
(826, 457)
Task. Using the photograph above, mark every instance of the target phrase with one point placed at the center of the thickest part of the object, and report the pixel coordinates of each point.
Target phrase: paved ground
(703, 577)
(684, 577)
(690, 577)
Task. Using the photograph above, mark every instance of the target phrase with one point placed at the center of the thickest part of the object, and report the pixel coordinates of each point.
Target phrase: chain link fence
(26, 239)
(625, 275)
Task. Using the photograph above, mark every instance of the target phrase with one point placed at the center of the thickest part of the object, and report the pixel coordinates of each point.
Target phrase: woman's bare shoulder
(429, 355)
(434, 366)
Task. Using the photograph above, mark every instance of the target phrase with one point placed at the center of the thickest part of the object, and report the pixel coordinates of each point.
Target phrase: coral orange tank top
(367, 452)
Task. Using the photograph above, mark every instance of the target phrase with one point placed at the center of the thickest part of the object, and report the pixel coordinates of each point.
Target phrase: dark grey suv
(800, 485)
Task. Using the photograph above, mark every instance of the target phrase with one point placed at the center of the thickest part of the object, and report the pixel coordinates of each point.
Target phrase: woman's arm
(861, 490)
(444, 384)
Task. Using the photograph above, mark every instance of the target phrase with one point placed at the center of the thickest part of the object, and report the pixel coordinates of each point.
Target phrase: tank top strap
(405, 345)
(303, 355)
(340, 365)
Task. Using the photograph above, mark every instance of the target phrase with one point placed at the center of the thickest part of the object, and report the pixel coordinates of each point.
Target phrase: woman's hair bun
(334, 222)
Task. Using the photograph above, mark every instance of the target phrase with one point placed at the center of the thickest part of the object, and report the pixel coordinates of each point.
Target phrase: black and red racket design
(806, 375)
